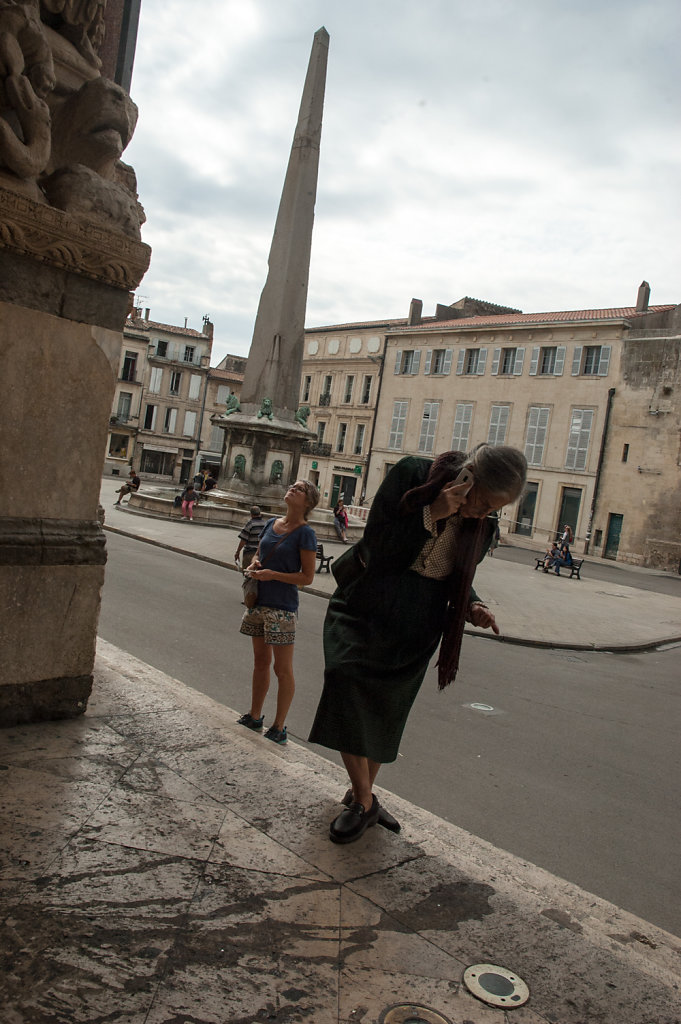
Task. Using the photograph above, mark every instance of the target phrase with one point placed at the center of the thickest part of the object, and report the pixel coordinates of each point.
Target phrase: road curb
(520, 641)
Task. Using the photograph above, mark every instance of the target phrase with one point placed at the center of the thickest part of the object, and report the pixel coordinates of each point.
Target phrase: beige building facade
(165, 394)
(561, 386)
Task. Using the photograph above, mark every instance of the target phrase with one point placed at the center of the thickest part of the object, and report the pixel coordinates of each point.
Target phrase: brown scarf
(470, 540)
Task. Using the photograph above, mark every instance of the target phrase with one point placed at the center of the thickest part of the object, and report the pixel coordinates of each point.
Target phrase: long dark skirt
(378, 639)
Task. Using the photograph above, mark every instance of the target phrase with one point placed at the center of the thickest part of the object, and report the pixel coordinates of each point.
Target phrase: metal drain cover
(495, 985)
(412, 1013)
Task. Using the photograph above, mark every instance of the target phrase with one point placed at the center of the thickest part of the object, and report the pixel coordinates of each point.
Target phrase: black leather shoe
(384, 817)
(353, 822)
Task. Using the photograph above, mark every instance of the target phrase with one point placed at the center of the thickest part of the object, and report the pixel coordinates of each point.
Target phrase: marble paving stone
(26, 852)
(261, 990)
(76, 738)
(177, 729)
(47, 801)
(130, 690)
(244, 846)
(90, 943)
(365, 994)
(372, 939)
(256, 947)
(470, 922)
(155, 821)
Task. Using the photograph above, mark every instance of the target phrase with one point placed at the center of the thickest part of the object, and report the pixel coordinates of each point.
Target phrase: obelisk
(265, 433)
(276, 354)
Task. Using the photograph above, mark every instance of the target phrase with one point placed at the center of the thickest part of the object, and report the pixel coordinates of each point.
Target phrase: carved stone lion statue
(266, 409)
(302, 415)
(232, 404)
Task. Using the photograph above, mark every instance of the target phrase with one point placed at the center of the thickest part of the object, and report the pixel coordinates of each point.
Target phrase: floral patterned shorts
(274, 624)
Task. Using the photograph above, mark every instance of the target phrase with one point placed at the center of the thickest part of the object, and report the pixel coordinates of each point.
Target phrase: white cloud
(525, 152)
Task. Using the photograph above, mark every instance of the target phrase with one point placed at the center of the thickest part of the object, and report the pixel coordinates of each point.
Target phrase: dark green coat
(382, 627)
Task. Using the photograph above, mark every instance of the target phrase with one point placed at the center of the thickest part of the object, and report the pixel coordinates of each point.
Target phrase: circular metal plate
(495, 985)
(412, 1013)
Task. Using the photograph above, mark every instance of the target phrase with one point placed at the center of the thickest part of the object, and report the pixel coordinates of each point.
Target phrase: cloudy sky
(521, 151)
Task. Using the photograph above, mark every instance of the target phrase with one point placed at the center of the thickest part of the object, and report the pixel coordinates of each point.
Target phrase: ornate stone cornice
(70, 243)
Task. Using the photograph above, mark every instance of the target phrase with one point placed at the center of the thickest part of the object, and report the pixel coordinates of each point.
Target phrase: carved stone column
(69, 256)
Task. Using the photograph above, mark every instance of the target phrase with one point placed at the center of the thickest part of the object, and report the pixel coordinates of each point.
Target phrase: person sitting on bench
(132, 485)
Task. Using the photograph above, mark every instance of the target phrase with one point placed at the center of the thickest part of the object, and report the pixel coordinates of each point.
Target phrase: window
(428, 427)
(129, 366)
(175, 381)
(325, 397)
(578, 439)
(366, 389)
(471, 360)
(189, 424)
(462, 426)
(216, 438)
(155, 380)
(307, 384)
(438, 360)
(150, 417)
(321, 430)
(591, 360)
(340, 440)
(222, 394)
(162, 349)
(169, 421)
(397, 426)
(537, 425)
(161, 463)
(625, 453)
(407, 362)
(194, 385)
(189, 353)
(548, 360)
(124, 403)
(349, 385)
(508, 361)
(118, 446)
(359, 439)
(498, 422)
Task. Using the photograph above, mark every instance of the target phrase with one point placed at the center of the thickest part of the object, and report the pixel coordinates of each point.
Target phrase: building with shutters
(562, 386)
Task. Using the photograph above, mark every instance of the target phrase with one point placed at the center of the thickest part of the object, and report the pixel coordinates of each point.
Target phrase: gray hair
(312, 495)
(499, 470)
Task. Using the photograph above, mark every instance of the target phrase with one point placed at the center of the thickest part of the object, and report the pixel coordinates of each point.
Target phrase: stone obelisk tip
(322, 36)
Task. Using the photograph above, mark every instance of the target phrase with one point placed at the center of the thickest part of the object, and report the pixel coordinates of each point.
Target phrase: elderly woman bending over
(406, 586)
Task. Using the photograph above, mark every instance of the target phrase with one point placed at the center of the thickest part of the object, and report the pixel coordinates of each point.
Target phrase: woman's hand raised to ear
(449, 500)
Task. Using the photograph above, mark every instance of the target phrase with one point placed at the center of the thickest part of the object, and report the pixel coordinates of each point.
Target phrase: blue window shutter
(447, 365)
(577, 360)
(534, 361)
(460, 360)
(518, 363)
(495, 360)
(482, 359)
(429, 357)
(560, 360)
(398, 361)
(604, 361)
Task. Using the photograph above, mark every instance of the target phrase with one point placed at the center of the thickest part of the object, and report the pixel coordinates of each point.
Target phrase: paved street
(570, 770)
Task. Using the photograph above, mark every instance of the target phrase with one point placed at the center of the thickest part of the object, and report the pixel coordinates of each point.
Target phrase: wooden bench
(324, 560)
(574, 569)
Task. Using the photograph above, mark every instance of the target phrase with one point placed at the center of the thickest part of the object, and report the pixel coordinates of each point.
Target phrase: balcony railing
(316, 448)
(325, 399)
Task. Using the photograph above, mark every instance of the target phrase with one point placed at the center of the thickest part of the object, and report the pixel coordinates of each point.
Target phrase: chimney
(415, 310)
(208, 327)
(185, 322)
(147, 311)
(643, 297)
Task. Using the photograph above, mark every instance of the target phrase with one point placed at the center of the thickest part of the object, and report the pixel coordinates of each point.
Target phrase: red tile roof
(139, 323)
(483, 323)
